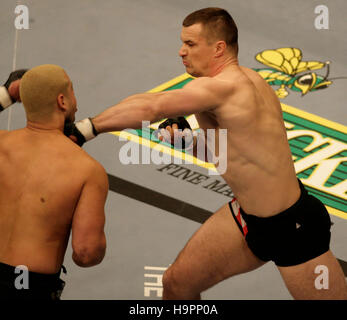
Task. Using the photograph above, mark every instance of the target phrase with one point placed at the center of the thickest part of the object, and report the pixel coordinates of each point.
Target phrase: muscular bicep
(197, 96)
(89, 216)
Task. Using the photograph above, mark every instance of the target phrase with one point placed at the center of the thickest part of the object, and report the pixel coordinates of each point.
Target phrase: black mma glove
(183, 124)
(5, 99)
(83, 130)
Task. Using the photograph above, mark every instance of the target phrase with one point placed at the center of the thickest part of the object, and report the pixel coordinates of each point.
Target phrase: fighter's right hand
(9, 92)
(80, 131)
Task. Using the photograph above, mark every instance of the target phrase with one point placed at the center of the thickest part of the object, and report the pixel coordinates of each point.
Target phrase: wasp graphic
(285, 65)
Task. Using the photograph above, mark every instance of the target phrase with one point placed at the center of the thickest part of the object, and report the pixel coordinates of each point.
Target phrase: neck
(223, 64)
(48, 126)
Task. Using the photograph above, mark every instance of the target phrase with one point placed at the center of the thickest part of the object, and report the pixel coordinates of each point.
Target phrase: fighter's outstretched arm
(197, 96)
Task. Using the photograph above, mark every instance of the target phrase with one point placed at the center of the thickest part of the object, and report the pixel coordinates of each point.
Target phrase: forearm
(129, 113)
(132, 111)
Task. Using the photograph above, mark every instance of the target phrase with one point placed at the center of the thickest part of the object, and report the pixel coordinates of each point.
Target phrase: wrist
(86, 128)
(95, 131)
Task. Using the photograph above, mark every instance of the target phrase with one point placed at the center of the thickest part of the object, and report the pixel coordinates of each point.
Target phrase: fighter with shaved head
(272, 218)
(50, 187)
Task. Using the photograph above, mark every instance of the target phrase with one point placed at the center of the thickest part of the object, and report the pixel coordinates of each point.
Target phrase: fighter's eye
(305, 79)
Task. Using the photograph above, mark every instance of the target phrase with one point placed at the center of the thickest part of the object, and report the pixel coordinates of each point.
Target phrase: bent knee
(170, 282)
(177, 286)
(174, 281)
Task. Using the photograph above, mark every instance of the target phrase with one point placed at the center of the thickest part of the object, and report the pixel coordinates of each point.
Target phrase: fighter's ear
(220, 48)
(61, 102)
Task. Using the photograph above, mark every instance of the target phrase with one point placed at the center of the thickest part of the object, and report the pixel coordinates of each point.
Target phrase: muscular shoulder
(209, 83)
(82, 160)
(213, 87)
(252, 76)
(92, 172)
(91, 165)
(96, 173)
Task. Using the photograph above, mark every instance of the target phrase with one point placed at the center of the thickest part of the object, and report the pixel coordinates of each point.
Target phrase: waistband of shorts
(290, 211)
(7, 273)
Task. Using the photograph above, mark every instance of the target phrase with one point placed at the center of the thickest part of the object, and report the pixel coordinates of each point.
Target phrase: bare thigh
(215, 252)
(305, 280)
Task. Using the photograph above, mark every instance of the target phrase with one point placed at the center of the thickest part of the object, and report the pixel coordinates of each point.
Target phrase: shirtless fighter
(49, 186)
(273, 218)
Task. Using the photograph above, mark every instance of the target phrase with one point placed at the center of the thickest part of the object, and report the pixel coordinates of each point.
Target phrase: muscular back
(41, 178)
(260, 169)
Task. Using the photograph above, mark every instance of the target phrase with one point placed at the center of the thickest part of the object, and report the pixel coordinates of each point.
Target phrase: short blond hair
(39, 89)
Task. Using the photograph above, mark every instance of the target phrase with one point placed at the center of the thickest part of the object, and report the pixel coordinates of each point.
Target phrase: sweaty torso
(260, 168)
(41, 177)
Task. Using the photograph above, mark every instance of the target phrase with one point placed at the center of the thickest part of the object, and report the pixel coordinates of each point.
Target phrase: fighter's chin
(190, 71)
(194, 74)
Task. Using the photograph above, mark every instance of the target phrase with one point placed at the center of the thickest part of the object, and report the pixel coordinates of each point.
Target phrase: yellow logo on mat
(285, 65)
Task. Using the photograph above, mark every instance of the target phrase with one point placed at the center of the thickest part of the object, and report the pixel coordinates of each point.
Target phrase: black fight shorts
(40, 286)
(291, 237)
